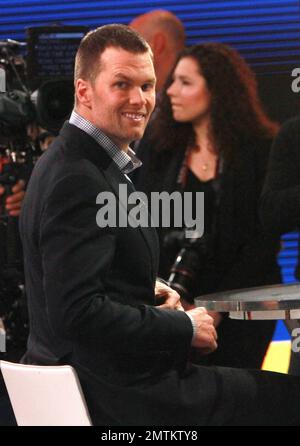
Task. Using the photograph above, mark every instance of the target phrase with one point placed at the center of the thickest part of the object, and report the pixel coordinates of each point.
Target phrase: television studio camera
(36, 93)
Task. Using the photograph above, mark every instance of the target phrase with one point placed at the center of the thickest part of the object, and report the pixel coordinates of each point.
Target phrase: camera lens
(183, 273)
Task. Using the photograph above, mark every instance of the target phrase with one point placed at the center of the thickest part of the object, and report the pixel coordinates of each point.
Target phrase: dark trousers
(200, 396)
(261, 398)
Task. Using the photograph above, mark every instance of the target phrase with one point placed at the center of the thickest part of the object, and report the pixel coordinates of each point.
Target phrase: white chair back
(45, 395)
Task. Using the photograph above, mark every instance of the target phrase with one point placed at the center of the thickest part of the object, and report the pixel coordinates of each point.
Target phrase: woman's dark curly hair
(237, 116)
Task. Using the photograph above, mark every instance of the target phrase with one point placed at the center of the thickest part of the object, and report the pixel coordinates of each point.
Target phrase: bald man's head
(166, 36)
(164, 21)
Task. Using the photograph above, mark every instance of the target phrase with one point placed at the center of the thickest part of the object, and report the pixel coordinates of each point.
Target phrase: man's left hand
(171, 299)
(14, 201)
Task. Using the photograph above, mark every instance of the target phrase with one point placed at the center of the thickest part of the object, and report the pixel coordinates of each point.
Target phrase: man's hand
(217, 317)
(171, 299)
(14, 201)
(205, 337)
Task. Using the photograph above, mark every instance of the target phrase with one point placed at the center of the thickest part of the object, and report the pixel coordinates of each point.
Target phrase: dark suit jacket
(91, 297)
(244, 255)
(280, 201)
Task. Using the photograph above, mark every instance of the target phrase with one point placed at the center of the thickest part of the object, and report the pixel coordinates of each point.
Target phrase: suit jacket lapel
(116, 178)
(91, 150)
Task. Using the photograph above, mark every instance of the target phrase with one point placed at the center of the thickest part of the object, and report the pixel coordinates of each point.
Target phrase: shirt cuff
(193, 325)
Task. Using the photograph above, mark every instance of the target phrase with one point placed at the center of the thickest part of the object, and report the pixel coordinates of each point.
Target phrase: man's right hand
(205, 337)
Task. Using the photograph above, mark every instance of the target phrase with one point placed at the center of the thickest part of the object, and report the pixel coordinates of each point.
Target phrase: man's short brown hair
(95, 42)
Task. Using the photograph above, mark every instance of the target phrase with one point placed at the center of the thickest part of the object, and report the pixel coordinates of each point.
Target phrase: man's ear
(83, 92)
(158, 43)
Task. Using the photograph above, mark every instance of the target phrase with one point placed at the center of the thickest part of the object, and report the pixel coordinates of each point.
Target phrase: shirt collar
(127, 162)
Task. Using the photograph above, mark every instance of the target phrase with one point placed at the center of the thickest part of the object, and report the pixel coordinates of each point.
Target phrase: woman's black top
(241, 254)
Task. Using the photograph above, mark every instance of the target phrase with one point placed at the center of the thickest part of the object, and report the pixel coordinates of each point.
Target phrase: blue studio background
(265, 32)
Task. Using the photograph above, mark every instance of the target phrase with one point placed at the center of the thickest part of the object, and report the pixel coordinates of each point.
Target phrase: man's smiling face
(122, 97)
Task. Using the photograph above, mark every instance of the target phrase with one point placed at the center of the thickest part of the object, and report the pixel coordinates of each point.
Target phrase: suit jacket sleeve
(77, 255)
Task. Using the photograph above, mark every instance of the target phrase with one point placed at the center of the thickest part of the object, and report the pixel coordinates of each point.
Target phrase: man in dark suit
(280, 200)
(92, 287)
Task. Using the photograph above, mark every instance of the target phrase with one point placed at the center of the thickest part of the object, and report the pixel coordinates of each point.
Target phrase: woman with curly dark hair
(210, 134)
